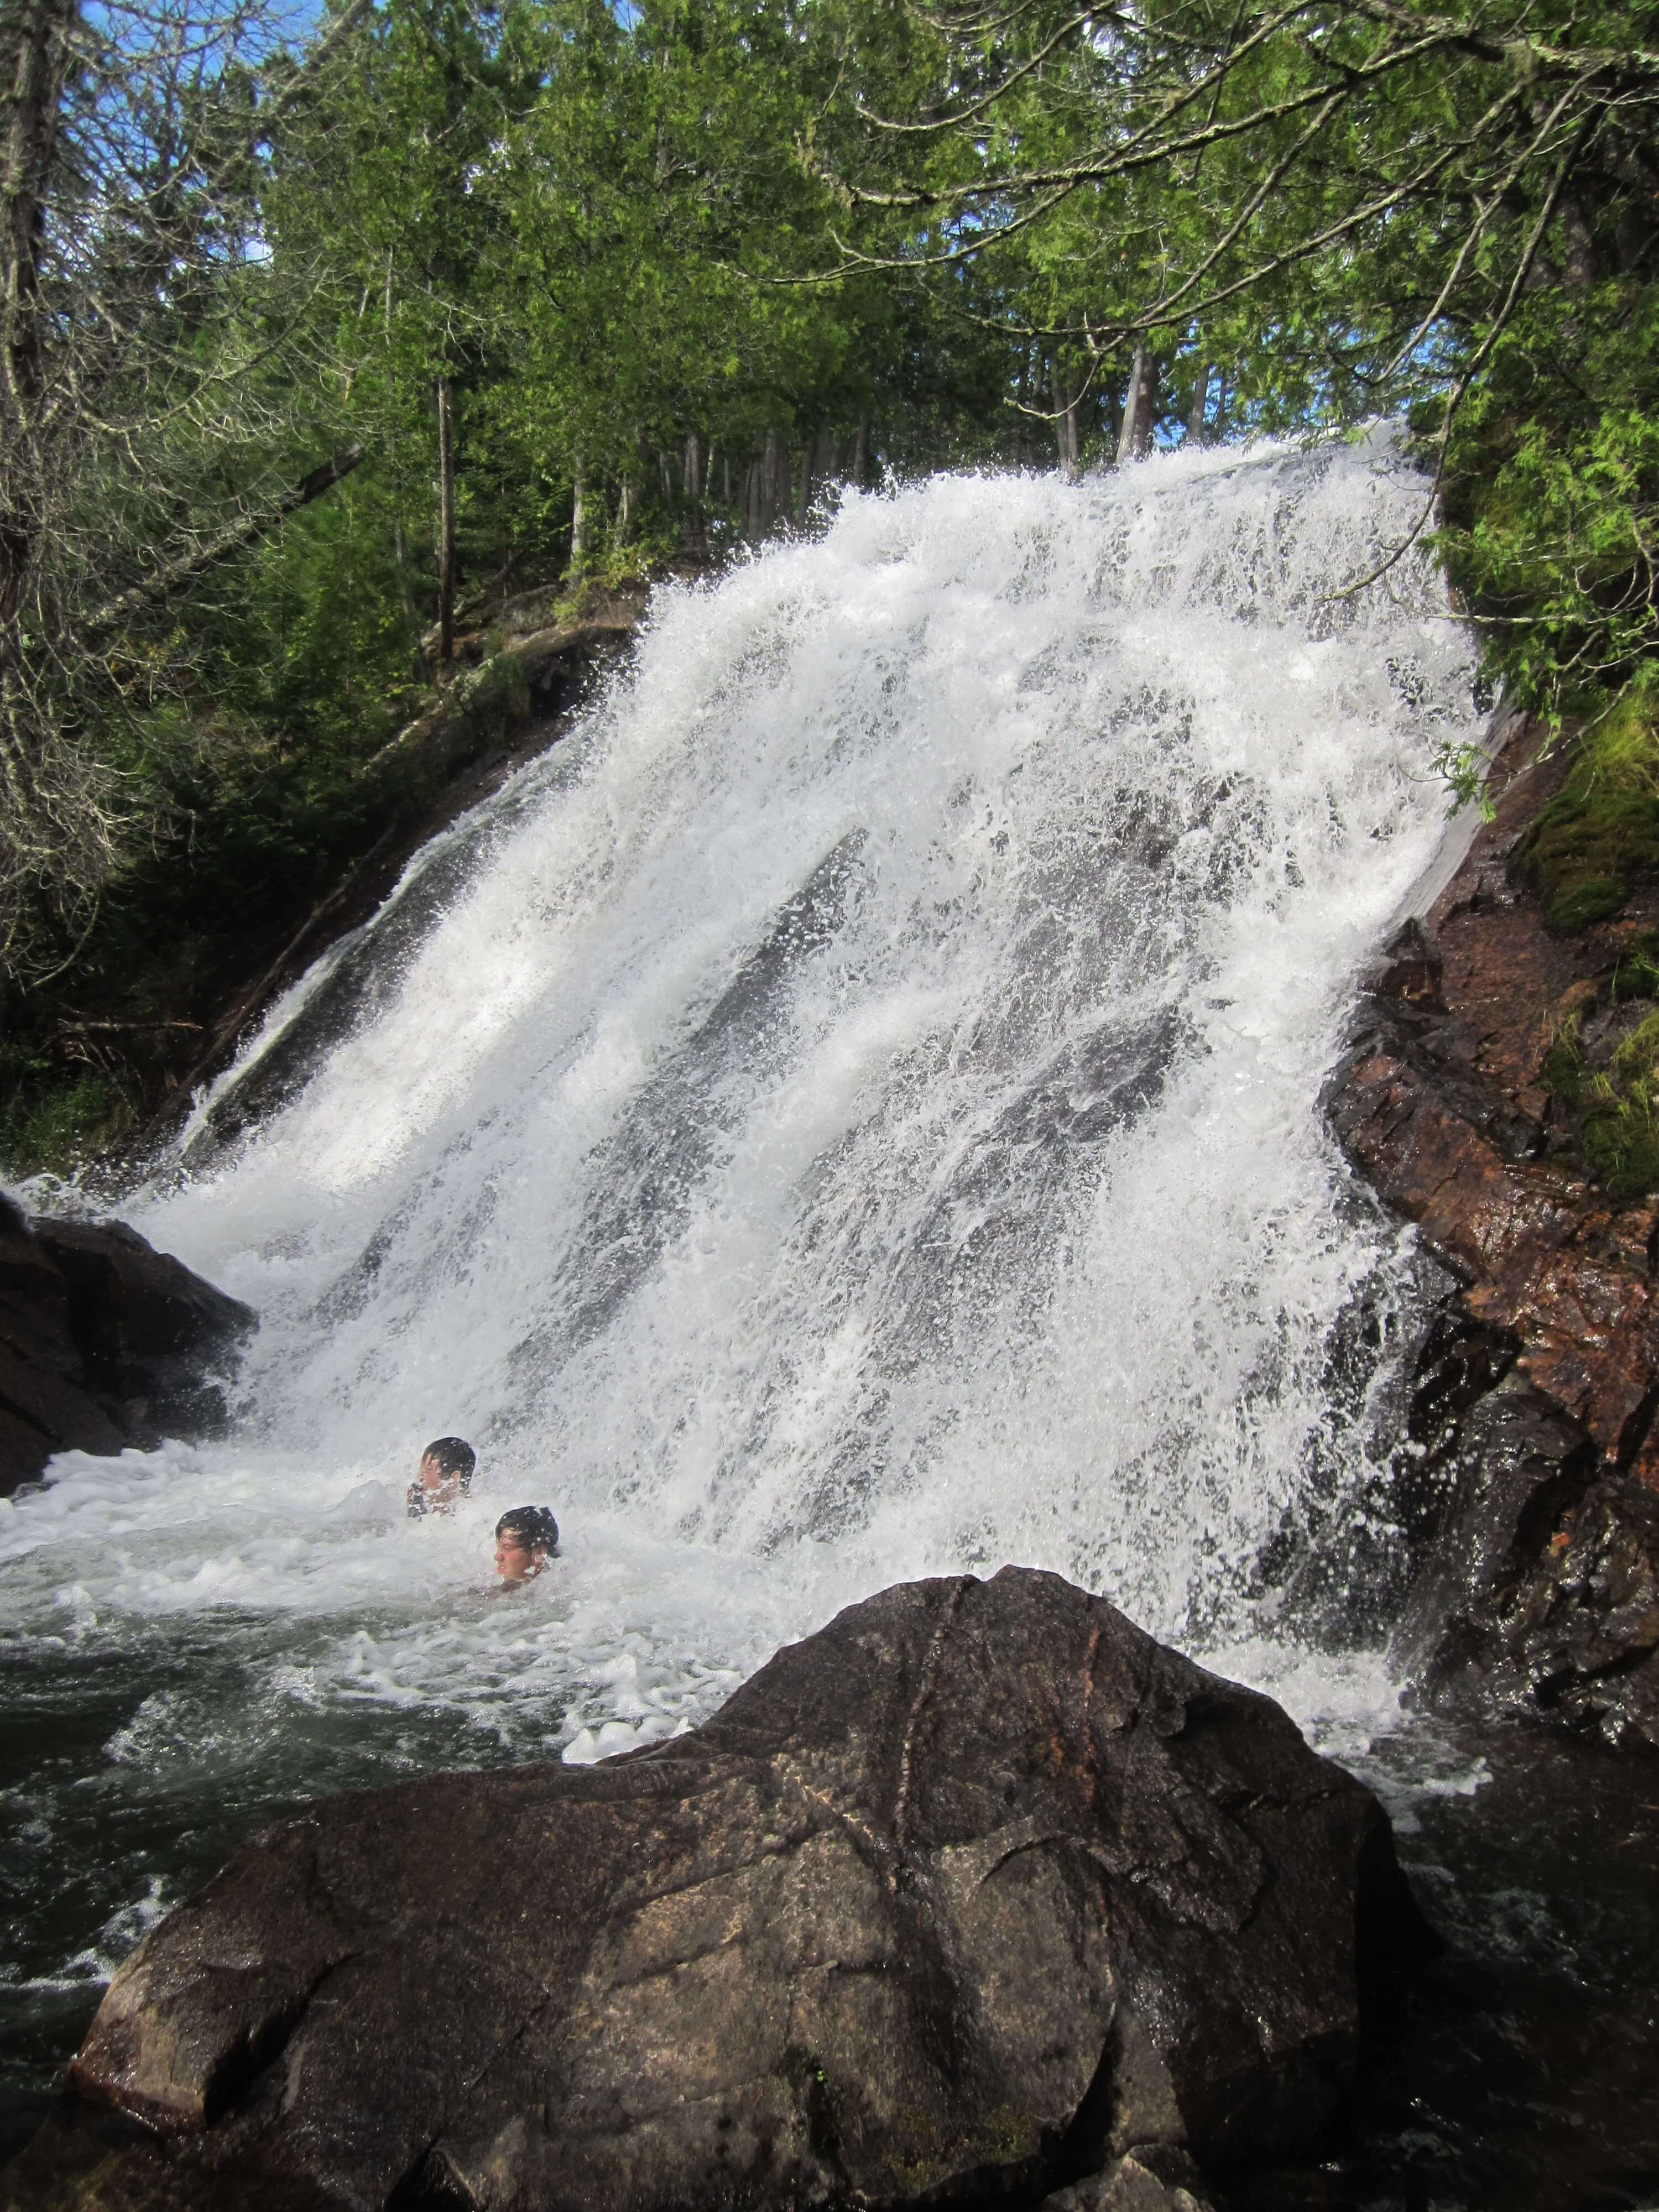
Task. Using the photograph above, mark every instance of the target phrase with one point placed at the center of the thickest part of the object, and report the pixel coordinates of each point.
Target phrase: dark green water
(93, 1848)
(1522, 2074)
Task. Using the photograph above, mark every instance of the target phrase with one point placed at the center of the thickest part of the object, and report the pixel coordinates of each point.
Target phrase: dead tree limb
(176, 575)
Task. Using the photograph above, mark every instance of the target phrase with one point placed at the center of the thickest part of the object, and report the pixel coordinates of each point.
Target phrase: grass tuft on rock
(1615, 1110)
(1636, 974)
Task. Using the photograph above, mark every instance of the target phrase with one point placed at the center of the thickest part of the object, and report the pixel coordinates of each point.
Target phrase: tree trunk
(1066, 429)
(1134, 438)
(1578, 258)
(762, 505)
(34, 42)
(412, 622)
(400, 555)
(693, 480)
(446, 525)
(632, 487)
(861, 458)
(1200, 400)
(777, 477)
(1125, 435)
(35, 47)
(578, 516)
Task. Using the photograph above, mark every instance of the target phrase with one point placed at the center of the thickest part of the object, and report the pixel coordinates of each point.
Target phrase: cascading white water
(852, 1113)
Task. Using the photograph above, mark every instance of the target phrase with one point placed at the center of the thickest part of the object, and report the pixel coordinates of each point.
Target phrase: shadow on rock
(104, 1342)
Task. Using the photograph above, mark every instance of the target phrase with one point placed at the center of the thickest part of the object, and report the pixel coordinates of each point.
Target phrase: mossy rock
(1597, 840)
(1584, 900)
(1587, 852)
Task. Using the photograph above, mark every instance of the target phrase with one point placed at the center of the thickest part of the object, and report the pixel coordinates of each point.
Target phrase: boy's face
(441, 1487)
(514, 1561)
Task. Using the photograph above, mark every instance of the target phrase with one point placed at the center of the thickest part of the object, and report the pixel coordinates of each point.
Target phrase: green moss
(1637, 974)
(1583, 901)
(1007, 2134)
(1003, 2136)
(1614, 1114)
(1595, 843)
(925, 2155)
(1563, 1071)
(1619, 1123)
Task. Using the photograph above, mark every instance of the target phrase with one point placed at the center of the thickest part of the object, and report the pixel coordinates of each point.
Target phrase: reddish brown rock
(1531, 1242)
(1442, 1111)
(1442, 1108)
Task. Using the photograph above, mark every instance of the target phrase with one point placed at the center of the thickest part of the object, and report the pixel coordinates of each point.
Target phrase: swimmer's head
(446, 1466)
(526, 1540)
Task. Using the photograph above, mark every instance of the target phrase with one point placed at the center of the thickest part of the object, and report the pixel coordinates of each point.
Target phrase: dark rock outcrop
(978, 1890)
(104, 1342)
(1542, 1587)
(1153, 2179)
(1541, 1580)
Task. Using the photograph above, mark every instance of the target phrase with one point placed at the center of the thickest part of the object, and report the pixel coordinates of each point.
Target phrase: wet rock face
(1543, 1580)
(1543, 1585)
(1536, 1496)
(1540, 1256)
(980, 1888)
(104, 1342)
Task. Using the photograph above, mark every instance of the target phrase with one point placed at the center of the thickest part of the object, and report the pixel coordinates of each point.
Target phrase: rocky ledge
(1538, 1485)
(104, 1342)
(978, 1893)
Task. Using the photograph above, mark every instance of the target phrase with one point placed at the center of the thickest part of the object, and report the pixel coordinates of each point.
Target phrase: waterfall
(848, 1113)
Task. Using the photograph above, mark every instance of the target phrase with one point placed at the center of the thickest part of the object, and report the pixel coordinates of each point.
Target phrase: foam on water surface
(852, 1116)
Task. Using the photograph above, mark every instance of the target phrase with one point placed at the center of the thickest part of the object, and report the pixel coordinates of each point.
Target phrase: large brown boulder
(104, 1342)
(978, 1890)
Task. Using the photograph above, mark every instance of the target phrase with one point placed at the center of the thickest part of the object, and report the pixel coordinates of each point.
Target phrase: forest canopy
(319, 334)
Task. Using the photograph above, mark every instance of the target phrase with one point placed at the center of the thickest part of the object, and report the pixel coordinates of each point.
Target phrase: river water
(848, 1113)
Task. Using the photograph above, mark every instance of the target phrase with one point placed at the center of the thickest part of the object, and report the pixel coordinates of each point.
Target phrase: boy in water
(526, 1540)
(444, 1474)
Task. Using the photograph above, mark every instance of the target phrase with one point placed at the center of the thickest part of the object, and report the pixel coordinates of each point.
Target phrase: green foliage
(1463, 768)
(669, 272)
(1553, 505)
(1594, 844)
(53, 1127)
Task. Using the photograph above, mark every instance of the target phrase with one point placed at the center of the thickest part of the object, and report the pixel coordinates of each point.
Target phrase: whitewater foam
(853, 1114)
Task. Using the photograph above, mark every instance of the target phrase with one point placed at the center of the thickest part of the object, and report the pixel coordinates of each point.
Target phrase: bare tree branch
(178, 575)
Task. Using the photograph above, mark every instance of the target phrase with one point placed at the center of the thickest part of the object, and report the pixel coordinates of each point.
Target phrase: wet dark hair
(455, 1457)
(532, 1526)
